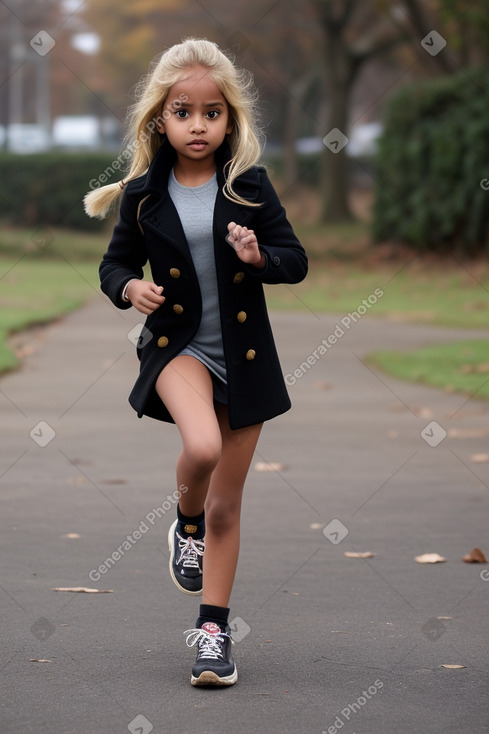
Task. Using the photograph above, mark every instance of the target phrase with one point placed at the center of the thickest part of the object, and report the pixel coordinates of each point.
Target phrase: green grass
(456, 367)
(39, 283)
(34, 291)
(416, 293)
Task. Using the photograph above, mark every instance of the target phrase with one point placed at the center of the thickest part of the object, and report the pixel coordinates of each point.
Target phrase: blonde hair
(143, 139)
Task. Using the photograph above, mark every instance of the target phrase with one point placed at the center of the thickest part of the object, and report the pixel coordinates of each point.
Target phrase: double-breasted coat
(149, 229)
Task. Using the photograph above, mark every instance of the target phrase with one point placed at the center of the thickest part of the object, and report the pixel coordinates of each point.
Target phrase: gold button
(174, 272)
(238, 277)
(162, 341)
(178, 309)
(241, 317)
(250, 354)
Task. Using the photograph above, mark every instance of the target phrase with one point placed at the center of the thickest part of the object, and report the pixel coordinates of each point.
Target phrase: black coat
(256, 388)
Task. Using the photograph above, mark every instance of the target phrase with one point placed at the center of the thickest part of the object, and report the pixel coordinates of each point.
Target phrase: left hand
(245, 244)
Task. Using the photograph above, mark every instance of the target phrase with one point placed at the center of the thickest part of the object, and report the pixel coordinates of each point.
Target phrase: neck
(193, 173)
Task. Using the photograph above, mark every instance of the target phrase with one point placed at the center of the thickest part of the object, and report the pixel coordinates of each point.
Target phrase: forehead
(197, 86)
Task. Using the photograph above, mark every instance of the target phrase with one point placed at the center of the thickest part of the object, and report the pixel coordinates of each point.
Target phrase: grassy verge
(34, 291)
(455, 367)
(47, 273)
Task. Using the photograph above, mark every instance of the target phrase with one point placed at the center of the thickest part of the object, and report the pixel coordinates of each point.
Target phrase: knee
(222, 516)
(203, 455)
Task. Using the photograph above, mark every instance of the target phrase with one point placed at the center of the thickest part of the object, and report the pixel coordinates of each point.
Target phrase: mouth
(197, 144)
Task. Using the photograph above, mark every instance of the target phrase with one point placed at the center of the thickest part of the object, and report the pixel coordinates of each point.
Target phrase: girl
(196, 206)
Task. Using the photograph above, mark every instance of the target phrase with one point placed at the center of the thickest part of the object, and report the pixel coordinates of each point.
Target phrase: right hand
(145, 296)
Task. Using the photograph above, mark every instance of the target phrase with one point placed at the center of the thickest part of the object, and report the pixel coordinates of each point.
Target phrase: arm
(125, 256)
(282, 257)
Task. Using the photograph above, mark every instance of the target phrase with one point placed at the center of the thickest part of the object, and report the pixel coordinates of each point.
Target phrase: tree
(354, 33)
(357, 31)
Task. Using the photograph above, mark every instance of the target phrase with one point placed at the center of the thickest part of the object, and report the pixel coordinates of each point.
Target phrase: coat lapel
(159, 215)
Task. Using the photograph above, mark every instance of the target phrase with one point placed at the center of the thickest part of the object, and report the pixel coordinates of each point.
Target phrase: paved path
(328, 643)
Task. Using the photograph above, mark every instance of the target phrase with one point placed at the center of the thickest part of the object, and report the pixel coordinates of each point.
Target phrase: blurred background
(376, 116)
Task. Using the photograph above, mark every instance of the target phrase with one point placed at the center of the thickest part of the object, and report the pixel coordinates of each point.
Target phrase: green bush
(433, 156)
(48, 188)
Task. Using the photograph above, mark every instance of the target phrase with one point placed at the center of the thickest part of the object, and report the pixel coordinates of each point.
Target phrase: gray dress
(195, 207)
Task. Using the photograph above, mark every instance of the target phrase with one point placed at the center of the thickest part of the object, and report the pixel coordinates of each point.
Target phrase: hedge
(48, 188)
(432, 158)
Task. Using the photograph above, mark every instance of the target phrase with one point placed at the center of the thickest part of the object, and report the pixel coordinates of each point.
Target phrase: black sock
(187, 522)
(210, 613)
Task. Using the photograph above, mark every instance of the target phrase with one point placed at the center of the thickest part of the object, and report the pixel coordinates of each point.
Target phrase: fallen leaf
(39, 660)
(475, 556)
(422, 412)
(71, 535)
(322, 385)
(430, 558)
(355, 554)
(452, 667)
(79, 589)
(468, 432)
(316, 526)
(444, 617)
(479, 458)
(268, 466)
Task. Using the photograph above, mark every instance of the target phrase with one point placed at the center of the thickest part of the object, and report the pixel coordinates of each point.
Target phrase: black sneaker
(214, 665)
(186, 555)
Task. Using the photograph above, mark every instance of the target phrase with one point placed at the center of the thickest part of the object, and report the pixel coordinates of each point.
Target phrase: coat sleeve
(286, 260)
(126, 254)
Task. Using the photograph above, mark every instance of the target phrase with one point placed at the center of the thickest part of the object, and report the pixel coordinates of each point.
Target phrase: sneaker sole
(171, 548)
(208, 678)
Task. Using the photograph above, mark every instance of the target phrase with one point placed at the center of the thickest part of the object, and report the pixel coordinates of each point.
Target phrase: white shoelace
(209, 645)
(190, 548)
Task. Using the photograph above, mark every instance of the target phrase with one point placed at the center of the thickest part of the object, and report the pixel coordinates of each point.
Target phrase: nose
(198, 124)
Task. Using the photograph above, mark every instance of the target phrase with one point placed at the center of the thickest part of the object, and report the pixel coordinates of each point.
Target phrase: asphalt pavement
(325, 642)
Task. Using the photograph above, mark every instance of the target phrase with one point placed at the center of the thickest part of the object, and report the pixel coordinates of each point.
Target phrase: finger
(231, 226)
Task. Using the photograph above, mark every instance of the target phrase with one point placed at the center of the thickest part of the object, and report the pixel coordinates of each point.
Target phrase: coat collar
(159, 213)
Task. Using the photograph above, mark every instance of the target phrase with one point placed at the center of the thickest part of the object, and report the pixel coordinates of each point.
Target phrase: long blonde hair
(143, 139)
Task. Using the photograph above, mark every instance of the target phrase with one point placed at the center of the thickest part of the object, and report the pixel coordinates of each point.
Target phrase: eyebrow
(206, 104)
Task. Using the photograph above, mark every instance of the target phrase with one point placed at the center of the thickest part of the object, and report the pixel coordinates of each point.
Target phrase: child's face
(199, 118)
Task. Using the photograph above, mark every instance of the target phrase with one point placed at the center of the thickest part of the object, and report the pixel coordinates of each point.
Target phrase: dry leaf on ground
(39, 660)
(80, 589)
(357, 554)
(475, 556)
(71, 536)
(316, 526)
(268, 466)
(452, 666)
(430, 558)
(479, 458)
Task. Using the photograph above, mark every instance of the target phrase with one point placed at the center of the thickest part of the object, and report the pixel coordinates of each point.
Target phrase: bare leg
(223, 509)
(185, 387)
